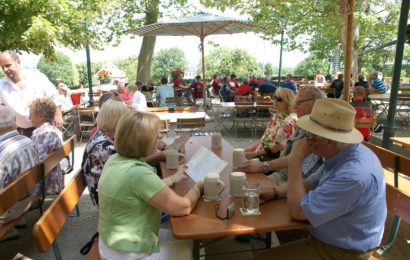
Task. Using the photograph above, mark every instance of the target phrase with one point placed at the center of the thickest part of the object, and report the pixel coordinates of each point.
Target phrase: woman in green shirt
(132, 196)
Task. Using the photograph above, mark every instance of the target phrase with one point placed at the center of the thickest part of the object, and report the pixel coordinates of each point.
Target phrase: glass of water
(250, 197)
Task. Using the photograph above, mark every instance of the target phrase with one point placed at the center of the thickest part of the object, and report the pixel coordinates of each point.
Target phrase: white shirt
(34, 85)
(139, 102)
(66, 102)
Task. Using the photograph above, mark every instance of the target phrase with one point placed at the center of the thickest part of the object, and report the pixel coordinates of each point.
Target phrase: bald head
(7, 119)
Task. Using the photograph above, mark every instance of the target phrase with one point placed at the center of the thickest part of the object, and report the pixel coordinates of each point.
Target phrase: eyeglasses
(301, 101)
(278, 99)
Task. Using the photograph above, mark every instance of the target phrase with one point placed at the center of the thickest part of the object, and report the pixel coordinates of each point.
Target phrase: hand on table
(250, 166)
(267, 192)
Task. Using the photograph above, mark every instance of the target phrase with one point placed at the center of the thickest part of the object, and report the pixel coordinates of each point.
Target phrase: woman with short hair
(279, 129)
(132, 196)
(47, 139)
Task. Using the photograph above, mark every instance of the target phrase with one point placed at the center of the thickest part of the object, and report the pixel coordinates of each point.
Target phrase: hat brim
(348, 137)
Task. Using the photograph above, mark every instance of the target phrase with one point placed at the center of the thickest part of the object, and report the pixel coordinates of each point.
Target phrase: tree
(166, 60)
(38, 26)
(318, 26)
(268, 69)
(128, 65)
(60, 68)
(309, 66)
(82, 70)
(226, 61)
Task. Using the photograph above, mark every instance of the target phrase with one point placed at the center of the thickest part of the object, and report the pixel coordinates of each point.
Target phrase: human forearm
(279, 163)
(296, 189)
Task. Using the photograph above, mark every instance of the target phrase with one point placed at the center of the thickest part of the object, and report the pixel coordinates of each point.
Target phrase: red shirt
(216, 85)
(178, 83)
(244, 90)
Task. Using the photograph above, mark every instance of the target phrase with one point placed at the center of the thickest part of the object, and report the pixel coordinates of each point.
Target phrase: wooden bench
(47, 228)
(396, 172)
(17, 190)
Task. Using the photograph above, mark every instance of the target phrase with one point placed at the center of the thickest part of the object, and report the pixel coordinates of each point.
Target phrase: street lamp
(90, 81)
(280, 55)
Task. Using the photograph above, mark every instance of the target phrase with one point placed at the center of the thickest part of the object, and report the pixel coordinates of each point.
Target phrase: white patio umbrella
(200, 25)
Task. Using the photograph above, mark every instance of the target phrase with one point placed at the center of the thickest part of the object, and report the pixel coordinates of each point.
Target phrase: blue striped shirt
(17, 154)
(378, 84)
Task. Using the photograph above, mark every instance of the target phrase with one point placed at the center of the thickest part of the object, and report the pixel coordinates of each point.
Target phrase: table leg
(196, 249)
(268, 239)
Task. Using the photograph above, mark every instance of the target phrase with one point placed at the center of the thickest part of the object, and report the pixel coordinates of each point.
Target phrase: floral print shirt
(96, 153)
(47, 139)
(278, 131)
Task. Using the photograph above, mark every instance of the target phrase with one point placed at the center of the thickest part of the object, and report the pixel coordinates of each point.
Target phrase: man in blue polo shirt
(345, 202)
(376, 82)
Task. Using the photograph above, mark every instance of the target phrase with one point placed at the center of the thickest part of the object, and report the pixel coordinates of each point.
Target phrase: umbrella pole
(348, 50)
(204, 90)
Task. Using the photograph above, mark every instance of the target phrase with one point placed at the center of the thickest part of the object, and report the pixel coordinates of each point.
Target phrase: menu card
(203, 162)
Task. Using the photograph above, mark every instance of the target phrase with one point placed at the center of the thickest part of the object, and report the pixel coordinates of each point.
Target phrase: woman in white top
(139, 102)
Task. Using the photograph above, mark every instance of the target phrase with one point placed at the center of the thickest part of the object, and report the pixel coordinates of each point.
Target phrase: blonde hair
(136, 134)
(359, 90)
(288, 97)
(109, 114)
(43, 107)
(132, 88)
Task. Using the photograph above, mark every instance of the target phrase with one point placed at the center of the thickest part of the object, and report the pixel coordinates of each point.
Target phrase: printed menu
(203, 162)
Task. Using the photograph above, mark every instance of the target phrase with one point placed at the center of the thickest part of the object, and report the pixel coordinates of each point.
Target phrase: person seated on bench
(47, 138)
(278, 130)
(101, 145)
(132, 197)
(363, 109)
(346, 202)
(278, 168)
(17, 155)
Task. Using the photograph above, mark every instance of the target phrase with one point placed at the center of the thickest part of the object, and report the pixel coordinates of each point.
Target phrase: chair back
(398, 202)
(165, 125)
(192, 124)
(365, 122)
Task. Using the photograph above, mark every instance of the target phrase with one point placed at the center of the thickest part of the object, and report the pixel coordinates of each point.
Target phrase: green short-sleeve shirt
(126, 221)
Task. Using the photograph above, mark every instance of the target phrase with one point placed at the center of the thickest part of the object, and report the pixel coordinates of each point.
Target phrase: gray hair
(7, 118)
(311, 93)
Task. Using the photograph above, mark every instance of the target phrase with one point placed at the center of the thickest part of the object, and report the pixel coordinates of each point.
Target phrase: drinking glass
(250, 197)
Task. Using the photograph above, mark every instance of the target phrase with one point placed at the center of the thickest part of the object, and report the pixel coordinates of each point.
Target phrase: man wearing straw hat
(345, 203)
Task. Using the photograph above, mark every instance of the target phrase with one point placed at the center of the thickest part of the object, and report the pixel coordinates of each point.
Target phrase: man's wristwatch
(266, 169)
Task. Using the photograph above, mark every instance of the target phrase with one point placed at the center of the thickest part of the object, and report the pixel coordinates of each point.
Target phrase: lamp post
(90, 81)
(280, 55)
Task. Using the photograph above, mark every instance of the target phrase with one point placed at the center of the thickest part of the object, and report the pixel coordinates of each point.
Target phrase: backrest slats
(398, 203)
(51, 222)
(20, 187)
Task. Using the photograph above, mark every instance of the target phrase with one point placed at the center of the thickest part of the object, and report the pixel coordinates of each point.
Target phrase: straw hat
(333, 119)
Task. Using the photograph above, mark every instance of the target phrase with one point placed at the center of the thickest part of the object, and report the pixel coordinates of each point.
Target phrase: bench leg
(196, 249)
(56, 251)
(392, 237)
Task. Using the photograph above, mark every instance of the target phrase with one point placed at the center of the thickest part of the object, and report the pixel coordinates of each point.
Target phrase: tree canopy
(61, 68)
(38, 26)
(166, 60)
(226, 61)
(317, 26)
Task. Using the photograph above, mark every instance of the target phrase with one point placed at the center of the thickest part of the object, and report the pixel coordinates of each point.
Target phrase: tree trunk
(145, 58)
(148, 44)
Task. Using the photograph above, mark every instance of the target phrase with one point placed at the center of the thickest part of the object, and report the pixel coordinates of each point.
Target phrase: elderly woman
(132, 196)
(101, 145)
(47, 139)
(139, 102)
(279, 128)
